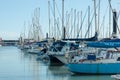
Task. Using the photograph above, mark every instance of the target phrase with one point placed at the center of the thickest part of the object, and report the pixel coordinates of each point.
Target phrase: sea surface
(20, 65)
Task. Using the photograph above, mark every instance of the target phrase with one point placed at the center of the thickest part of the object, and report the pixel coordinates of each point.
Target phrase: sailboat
(103, 61)
(103, 57)
(57, 50)
(110, 43)
(94, 38)
(57, 54)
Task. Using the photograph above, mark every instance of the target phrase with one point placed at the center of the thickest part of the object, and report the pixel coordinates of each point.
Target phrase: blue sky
(13, 13)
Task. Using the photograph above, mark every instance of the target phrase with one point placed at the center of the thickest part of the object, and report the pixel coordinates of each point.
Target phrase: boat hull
(61, 58)
(94, 68)
(54, 60)
(33, 51)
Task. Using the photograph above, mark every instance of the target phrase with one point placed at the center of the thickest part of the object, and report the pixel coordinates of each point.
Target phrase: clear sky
(13, 13)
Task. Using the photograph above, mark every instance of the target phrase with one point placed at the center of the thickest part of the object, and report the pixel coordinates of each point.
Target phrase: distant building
(0, 41)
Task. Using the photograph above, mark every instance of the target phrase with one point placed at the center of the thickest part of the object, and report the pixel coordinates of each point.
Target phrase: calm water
(18, 65)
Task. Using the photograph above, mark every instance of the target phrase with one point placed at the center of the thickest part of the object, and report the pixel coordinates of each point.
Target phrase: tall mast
(114, 23)
(54, 19)
(63, 28)
(24, 30)
(109, 19)
(74, 23)
(95, 15)
(38, 25)
(98, 15)
(49, 15)
(78, 21)
(71, 22)
(88, 20)
(81, 24)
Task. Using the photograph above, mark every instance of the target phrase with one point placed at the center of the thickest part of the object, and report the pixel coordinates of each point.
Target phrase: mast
(109, 19)
(63, 28)
(81, 24)
(71, 21)
(88, 20)
(38, 25)
(114, 23)
(95, 15)
(78, 21)
(29, 31)
(24, 31)
(98, 15)
(74, 23)
(49, 15)
(54, 19)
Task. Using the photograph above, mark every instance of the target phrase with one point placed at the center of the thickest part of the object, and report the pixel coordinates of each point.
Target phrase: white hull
(62, 58)
(36, 51)
(117, 76)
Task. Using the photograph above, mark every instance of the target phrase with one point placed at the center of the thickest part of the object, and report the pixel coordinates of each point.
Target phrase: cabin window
(91, 57)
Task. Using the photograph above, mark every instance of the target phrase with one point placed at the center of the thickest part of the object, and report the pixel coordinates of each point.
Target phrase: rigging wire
(89, 26)
(83, 21)
(58, 11)
(103, 18)
(82, 24)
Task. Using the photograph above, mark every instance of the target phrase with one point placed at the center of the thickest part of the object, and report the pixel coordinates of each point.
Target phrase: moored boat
(117, 76)
(58, 49)
(102, 61)
(36, 47)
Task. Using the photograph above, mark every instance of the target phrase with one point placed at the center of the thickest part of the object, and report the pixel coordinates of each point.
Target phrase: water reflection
(34, 67)
(89, 77)
(57, 72)
(20, 65)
